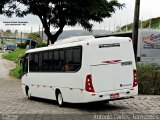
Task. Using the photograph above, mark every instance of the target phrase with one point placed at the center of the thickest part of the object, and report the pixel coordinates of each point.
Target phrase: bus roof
(76, 41)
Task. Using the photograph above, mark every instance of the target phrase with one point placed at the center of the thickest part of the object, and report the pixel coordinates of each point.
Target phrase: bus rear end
(112, 71)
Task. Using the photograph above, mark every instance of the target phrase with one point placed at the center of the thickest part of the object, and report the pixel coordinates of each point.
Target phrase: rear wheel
(60, 99)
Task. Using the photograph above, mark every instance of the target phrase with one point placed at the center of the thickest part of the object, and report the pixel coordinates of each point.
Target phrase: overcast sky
(149, 9)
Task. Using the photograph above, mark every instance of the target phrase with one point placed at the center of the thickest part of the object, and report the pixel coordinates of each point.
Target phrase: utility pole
(136, 27)
(39, 29)
(21, 37)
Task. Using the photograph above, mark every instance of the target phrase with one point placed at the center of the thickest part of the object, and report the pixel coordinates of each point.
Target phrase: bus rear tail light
(135, 80)
(89, 85)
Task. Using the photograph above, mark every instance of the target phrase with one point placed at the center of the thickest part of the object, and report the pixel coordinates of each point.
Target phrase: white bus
(81, 70)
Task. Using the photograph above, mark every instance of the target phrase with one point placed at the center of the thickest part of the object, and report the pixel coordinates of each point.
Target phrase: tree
(7, 7)
(8, 31)
(2, 4)
(59, 13)
(1, 30)
(16, 32)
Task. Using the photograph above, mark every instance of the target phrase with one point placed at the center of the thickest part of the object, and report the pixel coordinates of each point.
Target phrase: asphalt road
(15, 105)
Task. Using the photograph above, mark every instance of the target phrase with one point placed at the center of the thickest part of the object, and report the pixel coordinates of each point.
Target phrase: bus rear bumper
(108, 96)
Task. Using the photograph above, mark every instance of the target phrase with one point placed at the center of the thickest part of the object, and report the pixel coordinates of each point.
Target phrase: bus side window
(31, 62)
(45, 61)
(69, 59)
(36, 62)
(55, 60)
(59, 60)
(76, 59)
(62, 61)
(40, 62)
(73, 59)
(66, 67)
(50, 61)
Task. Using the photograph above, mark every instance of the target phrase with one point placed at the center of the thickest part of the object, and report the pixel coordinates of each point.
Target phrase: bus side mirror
(21, 62)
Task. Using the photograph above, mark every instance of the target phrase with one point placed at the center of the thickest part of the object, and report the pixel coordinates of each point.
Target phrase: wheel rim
(60, 99)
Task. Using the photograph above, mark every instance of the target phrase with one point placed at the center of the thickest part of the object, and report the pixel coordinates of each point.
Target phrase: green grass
(15, 56)
(16, 72)
(149, 79)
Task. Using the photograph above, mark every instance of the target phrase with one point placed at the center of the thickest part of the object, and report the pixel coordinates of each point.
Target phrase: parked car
(10, 47)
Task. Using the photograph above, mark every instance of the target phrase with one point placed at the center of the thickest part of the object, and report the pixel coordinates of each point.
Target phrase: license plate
(113, 96)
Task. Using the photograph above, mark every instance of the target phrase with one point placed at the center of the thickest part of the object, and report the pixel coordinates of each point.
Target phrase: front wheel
(60, 99)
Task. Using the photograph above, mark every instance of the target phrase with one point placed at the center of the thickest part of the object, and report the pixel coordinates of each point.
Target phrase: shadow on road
(91, 107)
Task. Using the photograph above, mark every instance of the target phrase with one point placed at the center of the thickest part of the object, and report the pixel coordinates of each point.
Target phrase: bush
(22, 46)
(34, 34)
(149, 79)
(16, 72)
(41, 45)
(15, 55)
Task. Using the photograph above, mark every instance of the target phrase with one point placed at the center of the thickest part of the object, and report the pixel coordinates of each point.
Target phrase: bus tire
(60, 99)
(28, 92)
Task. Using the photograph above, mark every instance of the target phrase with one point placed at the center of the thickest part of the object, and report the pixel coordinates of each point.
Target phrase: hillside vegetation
(15, 56)
(153, 23)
